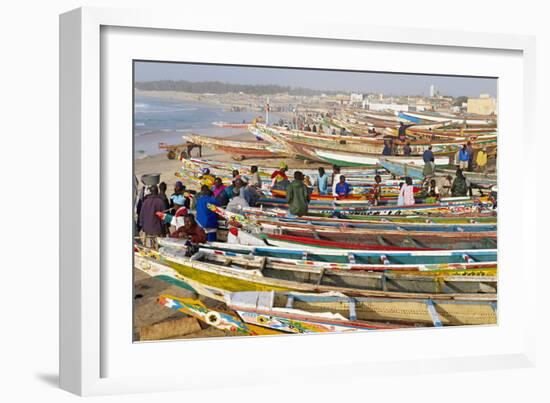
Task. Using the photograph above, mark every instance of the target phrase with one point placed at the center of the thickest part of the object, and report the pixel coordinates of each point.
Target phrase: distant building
(484, 105)
(387, 106)
(432, 91)
(355, 98)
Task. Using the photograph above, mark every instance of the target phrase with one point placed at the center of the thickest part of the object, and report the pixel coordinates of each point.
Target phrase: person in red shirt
(190, 230)
(279, 180)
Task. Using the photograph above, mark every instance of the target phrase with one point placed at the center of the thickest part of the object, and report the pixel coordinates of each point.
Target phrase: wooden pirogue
(396, 237)
(296, 276)
(451, 207)
(483, 218)
(290, 321)
(288, 311)
(217, 282)
(238, 148)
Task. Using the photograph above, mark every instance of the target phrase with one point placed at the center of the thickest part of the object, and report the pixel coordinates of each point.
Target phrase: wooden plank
(352, 310)
(433, 313)
(321, 274)
(290, 302)
(263, 263)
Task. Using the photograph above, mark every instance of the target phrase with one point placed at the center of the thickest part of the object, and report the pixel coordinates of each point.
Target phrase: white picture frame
(86, 301)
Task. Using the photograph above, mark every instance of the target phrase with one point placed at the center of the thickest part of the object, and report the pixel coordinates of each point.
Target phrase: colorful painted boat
(231, 125)
(351, 159)
(486, 218)
(265, 309)
(345, 225)
(237, 148)
(286, 310)
(375, 257)
(197, 309)
(472, 206)
(216, 280)
(223, 256)
(416, 172)
(421, 239)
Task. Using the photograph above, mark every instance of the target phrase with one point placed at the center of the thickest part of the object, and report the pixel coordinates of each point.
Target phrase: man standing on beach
(297, 195)
(206, 218)
(463, 157)
(152, 226)
(428, 155)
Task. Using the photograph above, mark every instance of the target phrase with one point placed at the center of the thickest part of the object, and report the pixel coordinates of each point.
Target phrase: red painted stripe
(341, 245)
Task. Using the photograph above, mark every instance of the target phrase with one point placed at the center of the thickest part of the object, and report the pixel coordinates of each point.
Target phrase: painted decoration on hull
(197, 309)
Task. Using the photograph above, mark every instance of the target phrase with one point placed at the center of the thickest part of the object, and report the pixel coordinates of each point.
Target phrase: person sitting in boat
(322, 182)
(255, 179)
(407, 149)
(376, 189)
(206, 218)
(297, 196)
(432, 192)
(218, 187)
(190, 230)
(459, 187)
(342, 187)
(178, 198)
(207, 178)
(406, 193)
(279, 180)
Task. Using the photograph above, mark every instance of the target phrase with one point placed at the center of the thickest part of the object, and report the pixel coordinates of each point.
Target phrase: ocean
(164, 120)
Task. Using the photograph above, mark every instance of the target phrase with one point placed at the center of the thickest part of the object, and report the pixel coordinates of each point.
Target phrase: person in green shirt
(297, 195)
(459, 187)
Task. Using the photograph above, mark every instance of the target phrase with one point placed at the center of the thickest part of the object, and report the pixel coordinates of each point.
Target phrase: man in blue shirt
(463, 157)
(342, 187)
(206, 218)
(428, 155)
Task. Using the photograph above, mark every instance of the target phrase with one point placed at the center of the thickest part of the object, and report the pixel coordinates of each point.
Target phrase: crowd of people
(245, 191)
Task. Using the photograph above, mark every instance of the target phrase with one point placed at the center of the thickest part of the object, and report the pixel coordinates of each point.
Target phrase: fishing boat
(265, 309)
(431, 238)
(327, 224)
(352, 159)
(416, 172)
(196, 308)
(471, 206)
(375, 257)
(228, 125)
(226, 256)
(276, 309)
(251, 149)
(222, 279)
(485, 218)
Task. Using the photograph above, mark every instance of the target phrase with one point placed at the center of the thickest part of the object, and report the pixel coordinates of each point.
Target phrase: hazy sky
(396, 84)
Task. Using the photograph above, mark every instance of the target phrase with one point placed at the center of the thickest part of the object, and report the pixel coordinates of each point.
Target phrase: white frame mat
(97, 355)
